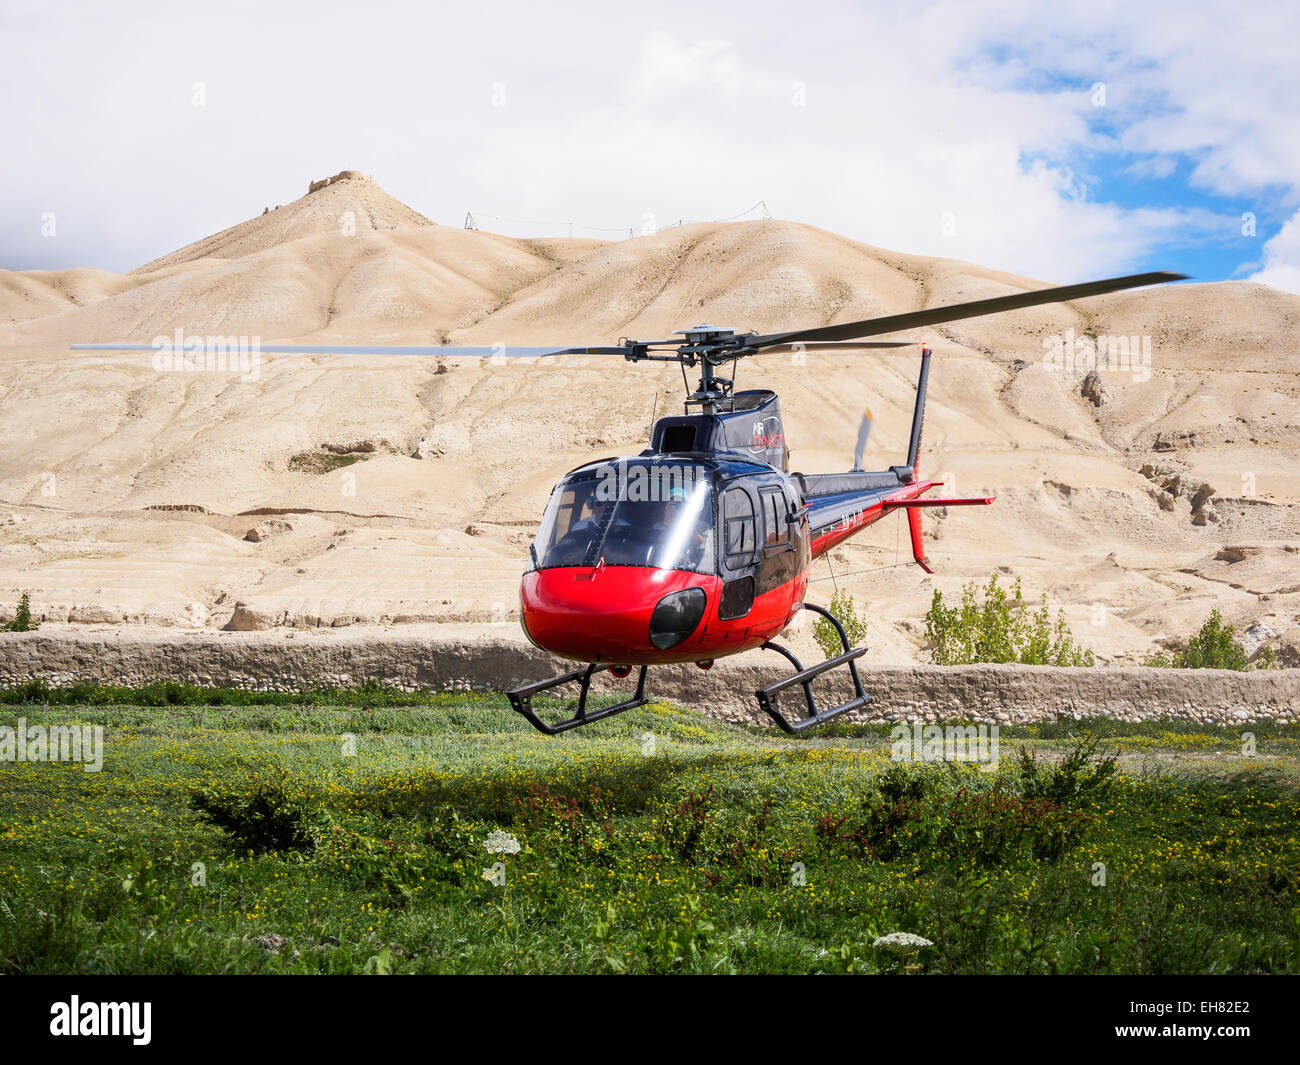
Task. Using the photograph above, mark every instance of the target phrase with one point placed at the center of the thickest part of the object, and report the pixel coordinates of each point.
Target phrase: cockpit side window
(738, 523)
(775, 520)
(572, 526)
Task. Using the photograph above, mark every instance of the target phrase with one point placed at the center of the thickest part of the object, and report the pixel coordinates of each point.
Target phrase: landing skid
(767, 697)
(521, 699)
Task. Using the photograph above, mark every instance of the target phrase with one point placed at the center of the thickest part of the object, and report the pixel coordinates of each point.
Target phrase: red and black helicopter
(700, 547)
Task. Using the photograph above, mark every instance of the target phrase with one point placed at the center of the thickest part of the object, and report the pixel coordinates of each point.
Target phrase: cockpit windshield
(646, 514)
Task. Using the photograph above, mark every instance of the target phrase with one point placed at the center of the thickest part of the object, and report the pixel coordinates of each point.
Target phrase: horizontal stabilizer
(914, 508)
(899, 504)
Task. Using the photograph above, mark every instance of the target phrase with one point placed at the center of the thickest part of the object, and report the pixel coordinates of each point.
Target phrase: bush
(1082, 776)
(35, 690)
(1213, 647)
(319, 462)
(912, 817)
(22, 619)
(564, 826)
(267, 816)
(444, 853)
(898, 783)
(999, 629)
(996, 828)
(855, 626)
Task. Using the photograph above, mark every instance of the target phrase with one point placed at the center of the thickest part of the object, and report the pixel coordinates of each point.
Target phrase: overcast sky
(1057, 140)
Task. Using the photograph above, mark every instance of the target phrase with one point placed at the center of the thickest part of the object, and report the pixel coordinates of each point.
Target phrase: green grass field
(263, 839)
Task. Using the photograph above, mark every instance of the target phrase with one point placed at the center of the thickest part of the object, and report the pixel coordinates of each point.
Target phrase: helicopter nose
(625, 614)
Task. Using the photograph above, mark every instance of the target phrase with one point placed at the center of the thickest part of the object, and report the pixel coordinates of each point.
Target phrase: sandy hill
(38, 293)
(1136, 501)
(348, 200)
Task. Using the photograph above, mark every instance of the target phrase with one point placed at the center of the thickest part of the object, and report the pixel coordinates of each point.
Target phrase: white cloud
(1281, 267)
(978, 114)
(669, 65)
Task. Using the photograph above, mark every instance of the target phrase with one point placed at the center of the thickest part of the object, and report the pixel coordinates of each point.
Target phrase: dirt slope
(1136, 499)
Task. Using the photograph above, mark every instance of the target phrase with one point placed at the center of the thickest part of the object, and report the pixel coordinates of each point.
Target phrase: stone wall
(342, 175)
(468, 658)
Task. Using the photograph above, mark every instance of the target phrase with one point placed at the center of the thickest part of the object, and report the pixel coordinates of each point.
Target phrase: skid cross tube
(521, 699)
(767, 700)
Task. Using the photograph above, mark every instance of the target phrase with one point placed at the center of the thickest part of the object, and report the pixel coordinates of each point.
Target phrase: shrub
(319, 462)
(897, 783)
(1080, 777)
(855, 625)
(687, 823)
(996, 827)
(445, 853)
(991, 828)
(562, 825)
(35, 690)
(1213, 647)
(931, 817)
(999, 629)
(265, 816)
(22, 619)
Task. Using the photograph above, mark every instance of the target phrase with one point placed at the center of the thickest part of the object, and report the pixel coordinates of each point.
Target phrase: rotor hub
(704, 334)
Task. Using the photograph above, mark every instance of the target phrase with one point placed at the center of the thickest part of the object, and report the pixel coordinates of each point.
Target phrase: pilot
(596, 512)
(586, 528)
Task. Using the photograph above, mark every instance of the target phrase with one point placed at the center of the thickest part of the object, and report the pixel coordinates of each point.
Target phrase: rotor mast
(710, 346)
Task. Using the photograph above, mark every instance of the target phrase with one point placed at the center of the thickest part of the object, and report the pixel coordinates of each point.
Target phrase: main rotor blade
(934, 315)
(837, 345)
(451, 351)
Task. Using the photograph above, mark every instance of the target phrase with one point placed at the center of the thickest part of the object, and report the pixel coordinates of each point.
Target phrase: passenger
(689, 546)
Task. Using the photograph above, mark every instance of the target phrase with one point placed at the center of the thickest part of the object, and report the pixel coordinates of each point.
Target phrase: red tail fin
(918, 544)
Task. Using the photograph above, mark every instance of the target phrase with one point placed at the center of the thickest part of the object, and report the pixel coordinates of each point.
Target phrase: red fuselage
(602, 613)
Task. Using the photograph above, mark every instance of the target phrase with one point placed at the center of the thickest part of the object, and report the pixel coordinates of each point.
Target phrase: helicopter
(700, 547)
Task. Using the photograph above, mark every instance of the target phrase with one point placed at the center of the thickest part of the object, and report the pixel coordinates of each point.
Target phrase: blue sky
(971, 130)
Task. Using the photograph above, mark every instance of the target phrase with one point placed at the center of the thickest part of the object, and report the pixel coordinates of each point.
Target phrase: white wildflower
(901, 943)
(499, 842)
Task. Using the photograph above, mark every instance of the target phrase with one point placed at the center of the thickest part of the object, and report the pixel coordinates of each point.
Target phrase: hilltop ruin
(342, 175)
